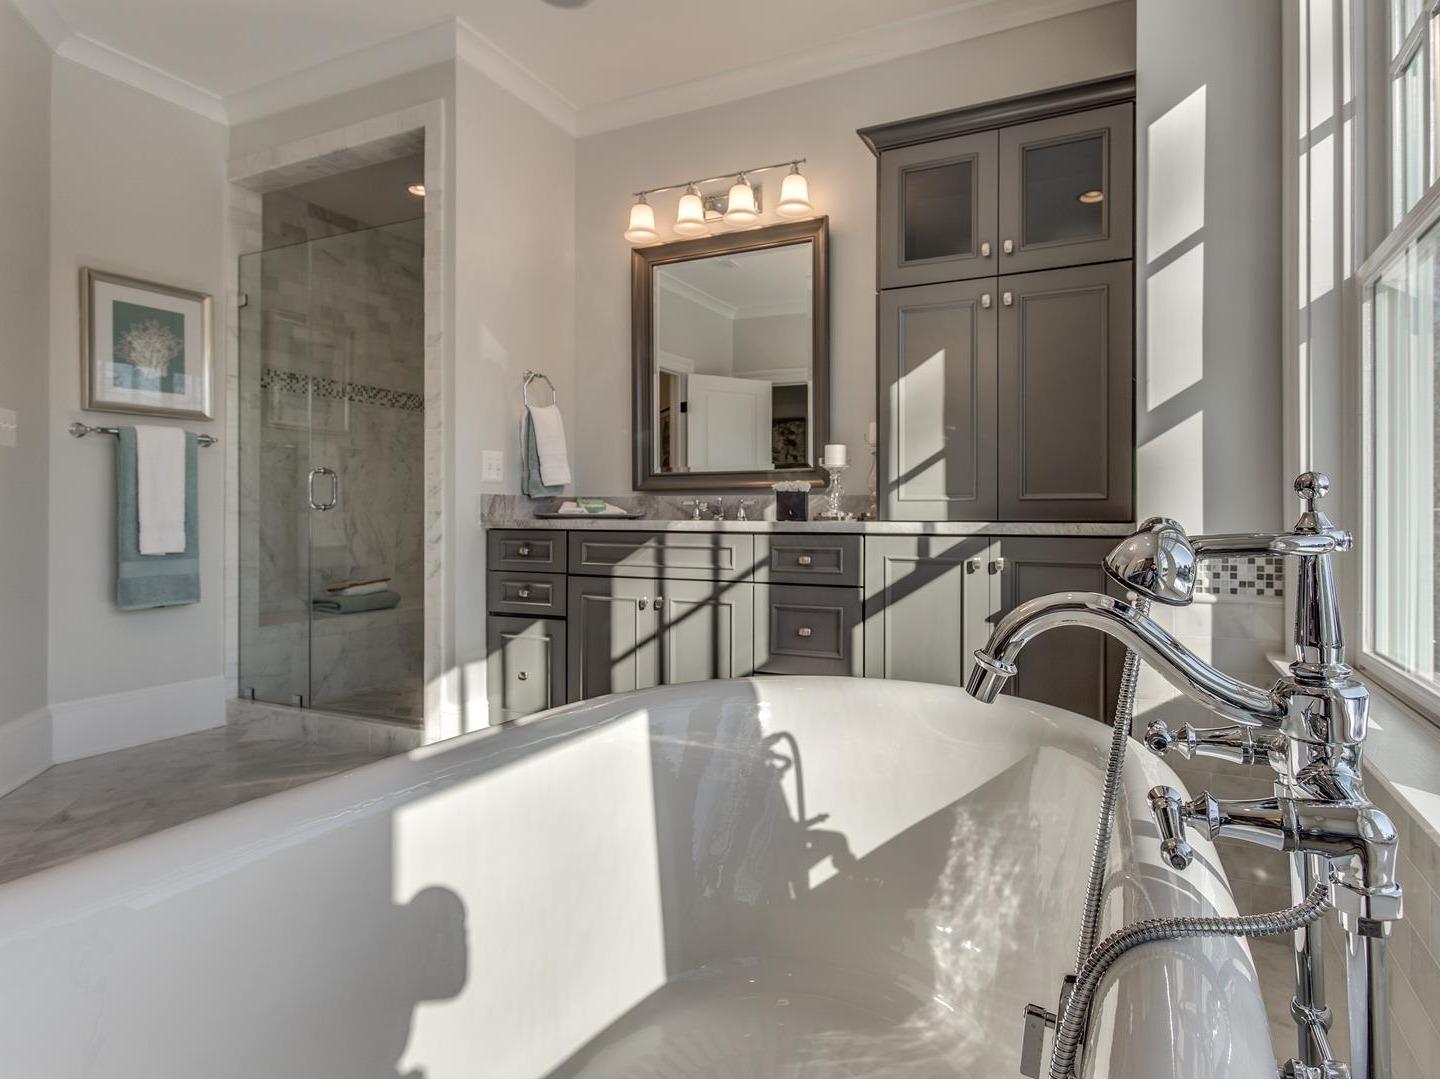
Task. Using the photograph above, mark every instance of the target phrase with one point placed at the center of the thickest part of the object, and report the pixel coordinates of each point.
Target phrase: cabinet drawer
(808, 560)
(511, 549)
(526, 594)
(526, 666)
(682, 556)
(808, 631)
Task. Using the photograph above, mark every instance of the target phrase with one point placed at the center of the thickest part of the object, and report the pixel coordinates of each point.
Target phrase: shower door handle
(321, 470)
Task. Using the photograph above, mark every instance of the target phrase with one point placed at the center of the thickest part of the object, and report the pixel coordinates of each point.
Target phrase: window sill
(1402, 754)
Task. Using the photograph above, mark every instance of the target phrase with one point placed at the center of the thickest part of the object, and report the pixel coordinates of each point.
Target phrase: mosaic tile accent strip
(1254, 577)
(293, 382)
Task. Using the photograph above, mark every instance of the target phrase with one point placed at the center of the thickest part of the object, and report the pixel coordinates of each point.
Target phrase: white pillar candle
(835, 454)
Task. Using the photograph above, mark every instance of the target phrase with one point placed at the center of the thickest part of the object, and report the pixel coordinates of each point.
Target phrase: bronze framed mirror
(730, 340)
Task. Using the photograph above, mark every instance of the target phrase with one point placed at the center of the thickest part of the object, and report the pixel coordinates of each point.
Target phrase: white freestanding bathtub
(764, 877)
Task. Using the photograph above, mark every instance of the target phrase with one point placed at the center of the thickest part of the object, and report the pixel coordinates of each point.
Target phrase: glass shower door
(332, 473)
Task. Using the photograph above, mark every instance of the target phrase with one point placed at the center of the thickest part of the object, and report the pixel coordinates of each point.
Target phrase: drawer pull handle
(523, 592)
(804, 560)
(524, 551)
(804, 631)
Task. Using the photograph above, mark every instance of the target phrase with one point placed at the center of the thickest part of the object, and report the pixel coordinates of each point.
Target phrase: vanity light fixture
(642, 223)
(740, 208)
(794, 195)
(1091, 197)
(418, 190)
(690, 217)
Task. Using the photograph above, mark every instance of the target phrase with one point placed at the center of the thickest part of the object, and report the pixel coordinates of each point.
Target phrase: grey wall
(24, 256)
(137, 189)
(815, 120)
(1208, 242)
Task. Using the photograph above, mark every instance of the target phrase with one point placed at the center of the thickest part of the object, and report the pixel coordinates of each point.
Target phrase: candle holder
(832, 511)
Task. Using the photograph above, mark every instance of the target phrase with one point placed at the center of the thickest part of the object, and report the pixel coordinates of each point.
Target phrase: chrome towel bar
(80, 430)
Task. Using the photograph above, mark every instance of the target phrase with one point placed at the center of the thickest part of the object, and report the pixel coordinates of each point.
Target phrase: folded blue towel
(147, 581)
(335, 604)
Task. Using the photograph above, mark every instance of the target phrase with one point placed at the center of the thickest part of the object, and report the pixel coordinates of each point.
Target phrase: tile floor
(83, 806)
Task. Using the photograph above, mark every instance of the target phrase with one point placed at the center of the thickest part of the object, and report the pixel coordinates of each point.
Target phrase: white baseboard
(24, 749)
(115, 721)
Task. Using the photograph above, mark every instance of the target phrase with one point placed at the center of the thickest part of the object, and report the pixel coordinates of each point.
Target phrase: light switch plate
(9, 427)
(492, 466)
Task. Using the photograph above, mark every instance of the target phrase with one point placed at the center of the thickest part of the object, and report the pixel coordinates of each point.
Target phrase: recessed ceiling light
(1087, 197)
(418, 190)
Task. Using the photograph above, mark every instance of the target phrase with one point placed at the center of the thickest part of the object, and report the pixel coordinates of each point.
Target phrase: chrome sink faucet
(1309, 728)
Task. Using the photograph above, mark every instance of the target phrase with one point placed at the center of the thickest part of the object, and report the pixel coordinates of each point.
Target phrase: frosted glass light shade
(740, 204)
(642, 224)
(794, 196)
(690, 217)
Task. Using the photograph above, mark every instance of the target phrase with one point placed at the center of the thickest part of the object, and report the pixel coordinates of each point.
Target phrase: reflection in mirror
(733, 337)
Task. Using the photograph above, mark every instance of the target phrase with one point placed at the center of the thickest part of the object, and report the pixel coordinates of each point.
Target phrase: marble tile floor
(398, 704)
(82, 806)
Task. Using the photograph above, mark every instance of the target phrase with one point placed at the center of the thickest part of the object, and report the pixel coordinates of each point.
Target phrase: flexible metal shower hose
(1100, 855)
(1077, 1008)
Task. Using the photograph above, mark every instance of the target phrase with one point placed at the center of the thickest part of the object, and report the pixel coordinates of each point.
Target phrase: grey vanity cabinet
(630, 633)
(1066, 395)
(927, 599)
(937, 210)
(1075, 668)
(525, 666)
(938, 373)
(1066, 190)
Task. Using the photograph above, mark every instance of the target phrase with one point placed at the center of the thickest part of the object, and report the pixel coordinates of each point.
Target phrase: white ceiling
(746, 285)
(614, 61)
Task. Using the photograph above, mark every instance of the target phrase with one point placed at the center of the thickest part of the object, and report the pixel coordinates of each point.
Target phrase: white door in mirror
(729, 423)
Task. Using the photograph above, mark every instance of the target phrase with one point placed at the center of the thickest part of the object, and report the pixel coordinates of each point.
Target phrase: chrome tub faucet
(1309, 728)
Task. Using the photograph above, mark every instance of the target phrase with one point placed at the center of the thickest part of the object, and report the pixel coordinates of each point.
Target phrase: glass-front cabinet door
(937, 211)
(1066, 190)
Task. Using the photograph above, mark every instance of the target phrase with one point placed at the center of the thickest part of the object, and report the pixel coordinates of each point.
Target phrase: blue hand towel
(147, 581)
(533, 485)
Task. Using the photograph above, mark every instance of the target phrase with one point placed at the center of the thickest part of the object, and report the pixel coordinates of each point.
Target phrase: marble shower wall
(335, 379)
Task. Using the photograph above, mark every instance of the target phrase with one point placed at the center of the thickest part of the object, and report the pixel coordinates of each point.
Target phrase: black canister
(792, 505)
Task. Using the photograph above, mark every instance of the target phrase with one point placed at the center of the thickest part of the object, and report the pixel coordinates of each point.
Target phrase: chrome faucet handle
(1170, 810)
(698, 507)
(1156, 561)
(719, 508)
(1239, 743)
(741, 504)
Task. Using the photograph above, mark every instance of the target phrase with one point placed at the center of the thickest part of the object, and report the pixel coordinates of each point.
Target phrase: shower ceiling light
(1091, 197)
(418, 190)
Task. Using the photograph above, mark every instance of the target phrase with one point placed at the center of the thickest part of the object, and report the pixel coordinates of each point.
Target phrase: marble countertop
(873, 528)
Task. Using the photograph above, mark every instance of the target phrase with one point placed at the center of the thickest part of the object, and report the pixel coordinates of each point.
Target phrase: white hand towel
(160, 488)
(550, 444)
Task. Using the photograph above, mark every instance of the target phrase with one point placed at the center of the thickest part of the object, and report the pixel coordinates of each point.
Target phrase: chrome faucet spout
(1193, 677)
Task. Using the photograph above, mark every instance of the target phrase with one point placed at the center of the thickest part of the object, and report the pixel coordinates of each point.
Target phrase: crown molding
(696, 295)
(117, 65)
(475, 49)
(364, 67)
(972, 19)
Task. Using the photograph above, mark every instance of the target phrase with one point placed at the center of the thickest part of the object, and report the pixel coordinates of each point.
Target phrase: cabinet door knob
(1008, 247)
(804, 560)
(972, 565)
(524, 551)
(643, 603)
(523, 592)
(997, 566)
(522, 676)
(985, 301)
(1007, 298)
(984, 249)
(804, 631)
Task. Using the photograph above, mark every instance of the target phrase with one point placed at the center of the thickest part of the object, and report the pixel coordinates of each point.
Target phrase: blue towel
(147, 581)
(533, 485)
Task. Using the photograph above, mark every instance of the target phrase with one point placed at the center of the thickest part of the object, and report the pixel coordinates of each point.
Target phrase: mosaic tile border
(1258, 577)
(294, 382)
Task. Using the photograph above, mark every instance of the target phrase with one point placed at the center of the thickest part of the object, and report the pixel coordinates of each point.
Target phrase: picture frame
(145, 348)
